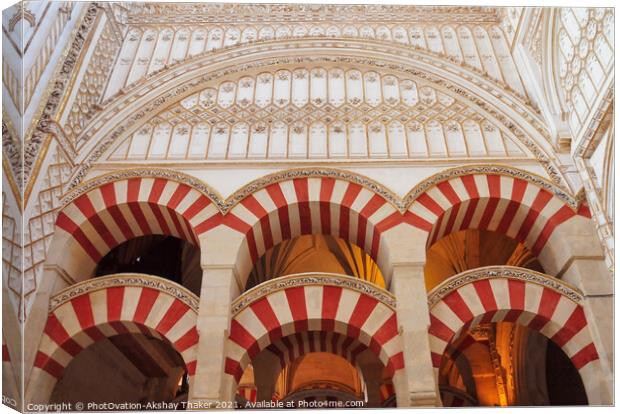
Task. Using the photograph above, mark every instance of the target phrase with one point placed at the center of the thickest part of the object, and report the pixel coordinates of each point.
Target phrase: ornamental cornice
(503, 272)
(192, 13)
(311, 279)
(600, 120)
(182, 80)
(400, 204)
(125, 280)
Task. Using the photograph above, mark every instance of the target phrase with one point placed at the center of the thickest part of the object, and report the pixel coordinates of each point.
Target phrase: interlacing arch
(288, 305)
(113, 305)
(521, 296)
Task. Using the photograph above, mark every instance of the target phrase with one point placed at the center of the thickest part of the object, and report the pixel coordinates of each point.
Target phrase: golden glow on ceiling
(315, 253)
(319, 370)
(469, 249)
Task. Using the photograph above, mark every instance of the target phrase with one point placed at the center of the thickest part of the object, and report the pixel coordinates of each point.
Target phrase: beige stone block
(220, 246)
(590, 276)
(573, 238)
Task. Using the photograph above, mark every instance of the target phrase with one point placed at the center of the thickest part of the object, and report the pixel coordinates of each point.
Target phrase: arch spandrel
(162, 89)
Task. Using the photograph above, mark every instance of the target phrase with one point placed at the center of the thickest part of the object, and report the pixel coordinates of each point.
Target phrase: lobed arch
(112, 305)
(162, 88)
(509, 294)
(108, 210)
(309, 303)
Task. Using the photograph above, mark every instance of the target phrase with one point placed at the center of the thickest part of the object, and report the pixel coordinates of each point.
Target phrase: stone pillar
(372, 372)
(220, 286)
(406, 250)
(266, 370)
(574, 254)
(413, 323)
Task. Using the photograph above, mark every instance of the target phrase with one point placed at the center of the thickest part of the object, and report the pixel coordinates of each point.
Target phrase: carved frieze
(126, 280)
(503, 272)
(311, 279)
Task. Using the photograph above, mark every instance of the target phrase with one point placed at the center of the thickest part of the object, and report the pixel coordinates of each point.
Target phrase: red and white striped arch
(509, 205)
(105, 312)
(110, 214)
(507, 299)
(326, 308)
(294, 346)
(315, 205)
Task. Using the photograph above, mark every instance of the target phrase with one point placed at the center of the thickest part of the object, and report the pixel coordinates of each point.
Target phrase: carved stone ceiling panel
(161, 35)
(318, 112)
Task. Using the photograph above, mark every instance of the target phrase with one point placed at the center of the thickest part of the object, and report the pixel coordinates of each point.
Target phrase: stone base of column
(424, 399)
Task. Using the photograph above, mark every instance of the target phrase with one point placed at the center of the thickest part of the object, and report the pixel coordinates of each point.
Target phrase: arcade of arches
(369, 206)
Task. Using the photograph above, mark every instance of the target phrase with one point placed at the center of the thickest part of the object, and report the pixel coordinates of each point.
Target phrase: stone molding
(58, 88)
(311, 279)
(401, 204)
(503, 272)
(180, 13)
(125, 279)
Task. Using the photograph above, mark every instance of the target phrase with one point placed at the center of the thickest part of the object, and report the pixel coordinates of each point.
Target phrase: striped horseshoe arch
(294, 346)
(109, 214)
(112, 305)
(315, 205)
(512, 206)
(288, 305)
(511, 294)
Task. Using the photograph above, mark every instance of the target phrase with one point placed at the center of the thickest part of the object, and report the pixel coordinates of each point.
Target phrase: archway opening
(166, 256)
(315, 253)
(506, 364)
(316, 366)
(470, 249)
(125, 368)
